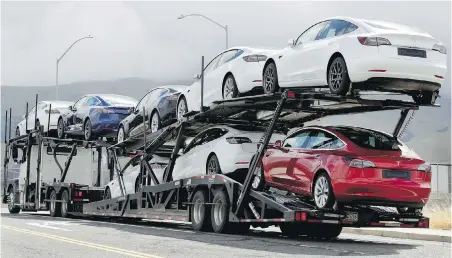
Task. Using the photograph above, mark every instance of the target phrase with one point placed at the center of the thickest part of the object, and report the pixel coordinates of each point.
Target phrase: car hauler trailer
(222, 204)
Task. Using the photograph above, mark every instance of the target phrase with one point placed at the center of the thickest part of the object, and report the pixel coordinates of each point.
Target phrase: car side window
(80, 103)
(213, 64)
(296, 140)
(323, 140)
(213, 134)
(195, 142)
(350, 27)
(311, 33)
(226, 57)
(93, 101)
(143, 101)
(333, 28)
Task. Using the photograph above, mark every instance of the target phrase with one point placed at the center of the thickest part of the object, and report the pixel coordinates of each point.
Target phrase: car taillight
(359, 163)
(53, 111)
(255, 58)
(238, 140)
(440, 48)
(425, 167)
(373, 41)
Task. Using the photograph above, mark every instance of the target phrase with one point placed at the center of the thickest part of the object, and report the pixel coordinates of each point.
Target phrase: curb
(396, 234)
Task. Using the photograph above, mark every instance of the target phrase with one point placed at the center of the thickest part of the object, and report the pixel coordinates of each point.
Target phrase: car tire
(338, 79)
(137, 184)
(38, 125)
(155, 123)
(55, 207)
(270, 79)
(200, 212)
(220, 213)
(182, 108)
(87, 130)
(60, 128)
(12, 208)
(121, 134)
(107, 194)
(65, 204)
(258, 183)
(230, 89)
(17, 132)
(424, 97)
(213, 165)
(323, 192)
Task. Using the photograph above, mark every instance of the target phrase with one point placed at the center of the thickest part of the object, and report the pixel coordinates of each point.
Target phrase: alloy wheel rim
(336, 75)
(64, 198)
(17, 132)
(60, 128)
(218, 212)
(198, 209)
(212, 168)
(321, 192)
(121, 135)
(52, 202)
(268, 84)
(181, 110)
(11, 200)
(87, 129)
(154, 123)
(228, 91)
(257, 177)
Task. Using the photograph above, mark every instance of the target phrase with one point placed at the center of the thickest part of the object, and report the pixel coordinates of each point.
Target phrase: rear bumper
(106, 128)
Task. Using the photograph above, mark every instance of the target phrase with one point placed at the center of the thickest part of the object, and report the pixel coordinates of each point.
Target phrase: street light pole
(225, 27)
(61, 57)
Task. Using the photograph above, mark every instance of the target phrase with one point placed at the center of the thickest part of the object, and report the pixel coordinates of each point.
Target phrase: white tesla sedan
(219, 150)
(233, 72)
(42, 118)
(367, 54)
(131, 177)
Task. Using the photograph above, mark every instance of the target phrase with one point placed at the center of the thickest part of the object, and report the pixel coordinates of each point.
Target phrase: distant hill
(428, 133)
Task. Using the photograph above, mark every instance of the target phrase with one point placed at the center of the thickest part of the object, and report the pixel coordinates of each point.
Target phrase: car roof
(56, 102)
(176, 86)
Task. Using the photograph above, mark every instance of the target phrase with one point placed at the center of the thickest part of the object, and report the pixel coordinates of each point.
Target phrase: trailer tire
(220, 213)
(55, 207)
(324, 231)
(65, 204)
(13, 209)
(289, 229)
(200, 212)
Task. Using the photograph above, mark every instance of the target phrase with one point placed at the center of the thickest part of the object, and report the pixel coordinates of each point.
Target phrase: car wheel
(324, 231)
(181, 108)
(338, 79)
(55, 207)
(60, 129)
(270, 80)
(156, 124)
(38, 125)
(87, 130)
(259, 180)
(425, 97)
(220, 213)
(121, 134)
(65, 204)
(200, 212)
(137, 184)
(107, 194)
(213, 166)
(17, 132)
(12, 208)
(230, 90)
(323, 192)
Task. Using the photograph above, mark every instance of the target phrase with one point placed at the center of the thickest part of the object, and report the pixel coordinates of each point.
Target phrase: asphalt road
(39, 235)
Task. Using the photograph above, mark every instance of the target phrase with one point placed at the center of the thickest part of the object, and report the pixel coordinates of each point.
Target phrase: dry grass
(440, 213)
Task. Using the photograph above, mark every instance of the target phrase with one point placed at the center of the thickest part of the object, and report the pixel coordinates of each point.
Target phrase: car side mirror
(196, 77)
(291, 42)
(278, 143)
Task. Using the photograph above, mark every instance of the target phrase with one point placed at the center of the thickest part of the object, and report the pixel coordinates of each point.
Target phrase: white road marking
(48, 224)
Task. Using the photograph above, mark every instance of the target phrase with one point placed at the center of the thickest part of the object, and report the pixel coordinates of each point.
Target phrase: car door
(83, 111)
(292, 65)
(309, 160)
(213, 89)
(194, 91)
(283, 160)
(185, 163)
(136, 121)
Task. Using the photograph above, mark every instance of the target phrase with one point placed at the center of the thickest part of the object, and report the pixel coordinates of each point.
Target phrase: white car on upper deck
(369, 54)
(231, 73)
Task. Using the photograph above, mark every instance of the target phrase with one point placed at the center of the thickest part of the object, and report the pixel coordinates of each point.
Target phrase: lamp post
(61, 57)
(205, 17)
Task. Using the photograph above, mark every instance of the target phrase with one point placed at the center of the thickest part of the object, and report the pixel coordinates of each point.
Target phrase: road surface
(39, 235)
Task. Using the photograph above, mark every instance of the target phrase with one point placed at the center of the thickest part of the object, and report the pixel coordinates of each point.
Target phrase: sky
(145, 39)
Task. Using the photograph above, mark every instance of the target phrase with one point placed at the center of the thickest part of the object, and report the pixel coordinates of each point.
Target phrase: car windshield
(369, 139)
(116, 100)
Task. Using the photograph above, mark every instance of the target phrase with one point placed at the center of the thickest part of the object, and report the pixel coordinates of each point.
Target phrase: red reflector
(377, 71)
(80, 194)
(291, 94)
(72, 185)
(297, 216)
(439, 76)
(241, 162)
(303, 216)
(257, 81)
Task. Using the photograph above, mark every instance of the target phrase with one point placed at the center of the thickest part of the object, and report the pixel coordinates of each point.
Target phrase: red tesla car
(350, 165)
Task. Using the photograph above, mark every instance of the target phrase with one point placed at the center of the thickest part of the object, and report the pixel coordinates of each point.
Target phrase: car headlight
(425, 167)
(440, 48)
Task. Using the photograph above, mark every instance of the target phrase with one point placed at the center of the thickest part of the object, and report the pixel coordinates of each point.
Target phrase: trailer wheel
(289, 229)
(324, 231)
(220, 213)
(200, 212)
(13, 209)
(65, 204)
(55, 207)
